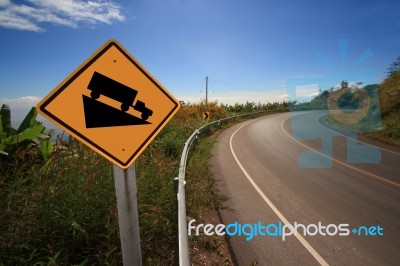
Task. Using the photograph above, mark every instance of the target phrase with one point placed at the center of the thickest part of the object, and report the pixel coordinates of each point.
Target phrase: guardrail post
(184, 259)
(179, 185)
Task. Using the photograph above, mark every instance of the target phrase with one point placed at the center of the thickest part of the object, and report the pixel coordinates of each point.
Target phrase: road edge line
(302, 240)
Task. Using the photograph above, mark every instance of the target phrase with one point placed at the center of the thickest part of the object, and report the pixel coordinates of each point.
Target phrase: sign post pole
(125, 187)
(116, 107)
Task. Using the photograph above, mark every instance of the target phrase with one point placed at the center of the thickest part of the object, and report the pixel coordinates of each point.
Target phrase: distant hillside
(382, 121)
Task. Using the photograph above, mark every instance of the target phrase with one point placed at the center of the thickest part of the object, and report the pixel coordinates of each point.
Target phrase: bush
(23, 147)
(389, 93)
(63, 210)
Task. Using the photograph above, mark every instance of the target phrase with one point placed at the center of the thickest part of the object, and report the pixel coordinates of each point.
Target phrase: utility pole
(206, 89)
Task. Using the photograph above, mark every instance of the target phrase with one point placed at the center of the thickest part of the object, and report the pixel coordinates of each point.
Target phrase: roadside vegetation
(58, 203)
(389, 96)
(372, 110)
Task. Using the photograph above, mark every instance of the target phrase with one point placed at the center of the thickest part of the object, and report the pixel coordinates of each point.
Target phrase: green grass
(64, 214)
(202, 204)
(391, 129)
(63, 211)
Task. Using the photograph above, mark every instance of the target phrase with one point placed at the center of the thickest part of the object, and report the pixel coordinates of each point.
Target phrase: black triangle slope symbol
(98, 114)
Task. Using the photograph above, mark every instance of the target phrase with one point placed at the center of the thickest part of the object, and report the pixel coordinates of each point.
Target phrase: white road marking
(304, 242)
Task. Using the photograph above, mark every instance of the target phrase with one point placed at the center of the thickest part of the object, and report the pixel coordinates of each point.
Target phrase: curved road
(290, 168)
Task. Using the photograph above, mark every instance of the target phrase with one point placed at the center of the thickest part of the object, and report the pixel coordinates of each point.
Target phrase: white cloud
(4, 3)
(25, 101)
(71, 13)
(311, 90)
(19, 107)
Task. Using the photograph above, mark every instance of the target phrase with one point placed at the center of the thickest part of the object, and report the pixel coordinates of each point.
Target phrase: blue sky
(249, 49)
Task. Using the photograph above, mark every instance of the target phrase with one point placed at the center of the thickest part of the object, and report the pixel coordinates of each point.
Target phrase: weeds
(391, 129)
(389, 113)
(64, 217)
(63, 211)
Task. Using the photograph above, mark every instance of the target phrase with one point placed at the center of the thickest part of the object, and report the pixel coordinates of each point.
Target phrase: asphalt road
(269, 176)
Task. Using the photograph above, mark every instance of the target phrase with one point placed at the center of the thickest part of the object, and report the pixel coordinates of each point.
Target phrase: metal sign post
(125, 187)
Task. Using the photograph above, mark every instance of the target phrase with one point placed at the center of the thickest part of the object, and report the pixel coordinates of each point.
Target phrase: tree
(344, 84)
(394, 67)
(389, 93)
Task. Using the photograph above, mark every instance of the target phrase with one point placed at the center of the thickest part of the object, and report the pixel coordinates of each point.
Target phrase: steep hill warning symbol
(112, 104)
(98, 114)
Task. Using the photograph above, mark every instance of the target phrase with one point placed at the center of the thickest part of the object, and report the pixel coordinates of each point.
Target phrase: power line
(211, 88)
(229, 84)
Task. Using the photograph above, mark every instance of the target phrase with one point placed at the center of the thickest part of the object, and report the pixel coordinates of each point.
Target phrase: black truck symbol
(102, 85)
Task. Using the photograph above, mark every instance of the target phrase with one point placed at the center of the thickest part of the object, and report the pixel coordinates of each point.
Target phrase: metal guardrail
(184, 259)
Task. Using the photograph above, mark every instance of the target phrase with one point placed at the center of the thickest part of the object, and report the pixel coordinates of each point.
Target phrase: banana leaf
(3, 134)
(29, 121)
(46, 149)
(6, 120)
(27, 134)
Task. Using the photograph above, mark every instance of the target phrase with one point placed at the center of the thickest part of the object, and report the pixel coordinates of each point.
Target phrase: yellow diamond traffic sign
(206, 116)
(112, 104)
